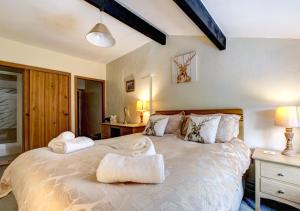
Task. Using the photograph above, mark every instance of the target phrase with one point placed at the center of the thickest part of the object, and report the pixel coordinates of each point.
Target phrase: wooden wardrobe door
(63, 103)
(48, 107)
(26, 109)
(37, 109)
(51, 106)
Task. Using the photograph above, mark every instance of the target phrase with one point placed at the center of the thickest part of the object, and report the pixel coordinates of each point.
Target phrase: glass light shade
(142, 105)
(100, 36)
(287, 116)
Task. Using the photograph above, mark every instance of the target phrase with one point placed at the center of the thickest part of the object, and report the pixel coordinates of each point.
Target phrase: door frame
(76, 78)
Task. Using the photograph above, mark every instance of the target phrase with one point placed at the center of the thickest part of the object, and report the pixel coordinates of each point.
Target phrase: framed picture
(184, 68)
(130, 86)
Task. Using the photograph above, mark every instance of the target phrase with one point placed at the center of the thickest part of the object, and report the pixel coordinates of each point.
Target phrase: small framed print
(130, 86)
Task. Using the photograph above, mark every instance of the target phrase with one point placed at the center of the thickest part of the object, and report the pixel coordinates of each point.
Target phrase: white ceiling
(61, 25)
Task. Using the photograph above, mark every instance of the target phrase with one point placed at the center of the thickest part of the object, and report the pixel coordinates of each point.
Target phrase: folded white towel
(63, 146)
(135, 145)
(67, 135)
(142, 146)
(142, 169)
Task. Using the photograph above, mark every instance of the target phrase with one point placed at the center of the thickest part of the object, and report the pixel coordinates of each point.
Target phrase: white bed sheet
(238, 197)
(198, 177)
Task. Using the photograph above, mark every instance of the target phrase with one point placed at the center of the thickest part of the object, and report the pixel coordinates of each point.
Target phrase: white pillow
(228, 128)
(156, 125)
(174, 123)
(203, 129)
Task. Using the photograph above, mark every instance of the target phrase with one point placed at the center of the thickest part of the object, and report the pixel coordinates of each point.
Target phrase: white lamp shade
(287, 116)
(100, 36)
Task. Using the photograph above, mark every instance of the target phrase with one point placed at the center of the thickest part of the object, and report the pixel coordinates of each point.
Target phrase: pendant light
(100, 35)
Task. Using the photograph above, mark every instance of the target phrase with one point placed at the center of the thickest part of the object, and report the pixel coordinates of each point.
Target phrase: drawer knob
(280, 192)
(280, 174)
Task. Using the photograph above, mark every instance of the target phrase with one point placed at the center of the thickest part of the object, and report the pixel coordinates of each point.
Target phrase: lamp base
(141, 117)
(289, 135)
(288, 152)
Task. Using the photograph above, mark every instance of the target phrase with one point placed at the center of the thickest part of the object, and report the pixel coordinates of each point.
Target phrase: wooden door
(51, 106)
(37, 109)
(64, 103)
(26, 109)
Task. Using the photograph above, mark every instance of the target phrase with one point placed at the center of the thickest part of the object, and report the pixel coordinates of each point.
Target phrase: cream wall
(17, 52)
(253, 74)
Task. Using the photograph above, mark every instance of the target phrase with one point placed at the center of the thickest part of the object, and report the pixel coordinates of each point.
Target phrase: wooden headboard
(236, 111)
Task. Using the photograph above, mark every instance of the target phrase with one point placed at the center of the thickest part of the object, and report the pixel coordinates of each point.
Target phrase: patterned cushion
(202, 129)
(185, 125)
(227, 130)
(156, 125)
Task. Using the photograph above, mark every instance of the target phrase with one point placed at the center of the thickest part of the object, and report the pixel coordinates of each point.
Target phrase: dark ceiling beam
(119, 12)
(197, 12)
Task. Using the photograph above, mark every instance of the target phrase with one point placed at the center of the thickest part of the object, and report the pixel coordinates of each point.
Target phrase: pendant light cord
(101, 16)
(101, 8)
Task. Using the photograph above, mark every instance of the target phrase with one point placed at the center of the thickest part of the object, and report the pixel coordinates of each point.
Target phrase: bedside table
(277, 177)
(109, 130)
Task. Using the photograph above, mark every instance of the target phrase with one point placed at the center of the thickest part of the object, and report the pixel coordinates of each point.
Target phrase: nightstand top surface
(123, 125)
(276, 158)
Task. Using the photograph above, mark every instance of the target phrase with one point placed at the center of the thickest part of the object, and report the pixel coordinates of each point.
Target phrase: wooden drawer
(280, 172)
(281, 190)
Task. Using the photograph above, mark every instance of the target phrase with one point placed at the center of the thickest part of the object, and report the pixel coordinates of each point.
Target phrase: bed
(198, 177)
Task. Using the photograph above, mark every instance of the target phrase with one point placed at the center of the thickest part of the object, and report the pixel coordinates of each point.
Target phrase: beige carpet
(7, 203)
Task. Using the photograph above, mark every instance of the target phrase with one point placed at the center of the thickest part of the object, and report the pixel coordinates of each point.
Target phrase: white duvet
(198, 177)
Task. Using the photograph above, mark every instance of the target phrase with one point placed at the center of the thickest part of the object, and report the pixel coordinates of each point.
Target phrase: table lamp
(288, 117)
(141, 106)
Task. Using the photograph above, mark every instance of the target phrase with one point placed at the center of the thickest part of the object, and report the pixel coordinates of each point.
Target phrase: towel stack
(67, 143)
(140, 165)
